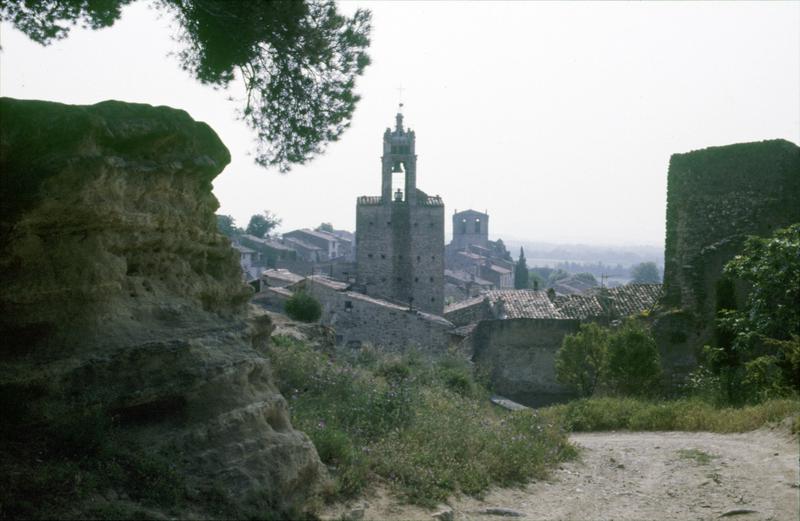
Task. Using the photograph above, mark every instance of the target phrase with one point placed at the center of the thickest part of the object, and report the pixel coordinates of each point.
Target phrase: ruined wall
(121, 298)
(715, 198)
(519, 357)
(360, 319)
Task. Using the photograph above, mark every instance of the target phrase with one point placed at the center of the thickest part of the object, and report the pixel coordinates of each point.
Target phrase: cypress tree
(521, 271)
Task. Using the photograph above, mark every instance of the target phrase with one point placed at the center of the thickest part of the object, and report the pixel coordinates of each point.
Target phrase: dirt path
(637, 476)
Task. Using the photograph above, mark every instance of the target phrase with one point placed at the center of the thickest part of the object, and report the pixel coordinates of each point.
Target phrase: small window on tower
(419, 258)
(369, 255)
(348, 305)
(383, 255)
(416, 279)
(431, 279)
(463, 226)
(477, 226)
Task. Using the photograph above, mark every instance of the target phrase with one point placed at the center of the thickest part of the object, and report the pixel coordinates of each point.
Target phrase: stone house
(461, 285)
(270, 251)
(325, 245)
(360, 319)
(514, 334)
(249, 261)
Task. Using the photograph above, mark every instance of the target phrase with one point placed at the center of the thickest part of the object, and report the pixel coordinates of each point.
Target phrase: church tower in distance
(400, 234)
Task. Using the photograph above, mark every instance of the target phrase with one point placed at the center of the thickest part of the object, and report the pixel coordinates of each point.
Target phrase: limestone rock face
(119, 295)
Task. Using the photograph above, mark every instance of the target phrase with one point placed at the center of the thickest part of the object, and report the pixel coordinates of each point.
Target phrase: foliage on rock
(756, 353)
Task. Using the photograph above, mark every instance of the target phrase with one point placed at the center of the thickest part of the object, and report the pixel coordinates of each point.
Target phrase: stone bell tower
(400, 235)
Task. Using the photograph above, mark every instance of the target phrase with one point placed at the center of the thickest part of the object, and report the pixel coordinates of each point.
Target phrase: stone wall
(519, 357)
(715, 198)
(121, 298)
(400, 253)
(360, 319)
(469, 311)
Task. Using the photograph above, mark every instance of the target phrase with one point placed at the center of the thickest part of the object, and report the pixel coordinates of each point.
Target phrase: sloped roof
(621, 301)
(282, 274)
(319, 234)
(266, 242)
(242, 249)
(463, 276)
(301, 243)
(524, 303)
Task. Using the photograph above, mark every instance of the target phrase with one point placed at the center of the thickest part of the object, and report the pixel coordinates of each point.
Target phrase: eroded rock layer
(119, 296)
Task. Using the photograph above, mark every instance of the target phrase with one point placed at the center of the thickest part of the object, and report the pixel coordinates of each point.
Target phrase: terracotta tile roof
(523, 303)
(622, 301)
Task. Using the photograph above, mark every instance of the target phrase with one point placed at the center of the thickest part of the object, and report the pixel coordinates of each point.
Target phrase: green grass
(602, 414)
(424, 427)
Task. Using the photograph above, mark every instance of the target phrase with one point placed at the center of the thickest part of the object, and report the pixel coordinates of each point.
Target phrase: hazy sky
(557, 118)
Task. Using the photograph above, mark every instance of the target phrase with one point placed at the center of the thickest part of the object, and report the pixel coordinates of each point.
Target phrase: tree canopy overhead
(298, 60)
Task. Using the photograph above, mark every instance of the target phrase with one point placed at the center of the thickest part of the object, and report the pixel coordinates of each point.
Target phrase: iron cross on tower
(400, 97)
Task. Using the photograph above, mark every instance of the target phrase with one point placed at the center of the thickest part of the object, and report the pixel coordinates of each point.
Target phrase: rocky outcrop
(119, 296)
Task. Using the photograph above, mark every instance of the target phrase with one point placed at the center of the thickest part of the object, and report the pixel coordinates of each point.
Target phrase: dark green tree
(261, 224)
(587, 278)
(227, 226)
(645, 273)
(325, 227)
(297, 60)
(633, 366)
(580, 361)
(521, 271)
(535, 281)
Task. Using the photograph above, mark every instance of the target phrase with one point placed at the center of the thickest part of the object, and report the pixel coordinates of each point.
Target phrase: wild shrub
(633, 366)
(303, 307)
(755, 353)
(580, 361)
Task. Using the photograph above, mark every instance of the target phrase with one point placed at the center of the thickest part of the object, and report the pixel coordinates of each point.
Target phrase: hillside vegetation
(424, 427)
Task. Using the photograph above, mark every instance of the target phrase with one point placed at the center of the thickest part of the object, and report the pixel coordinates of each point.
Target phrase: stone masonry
(400, 236)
